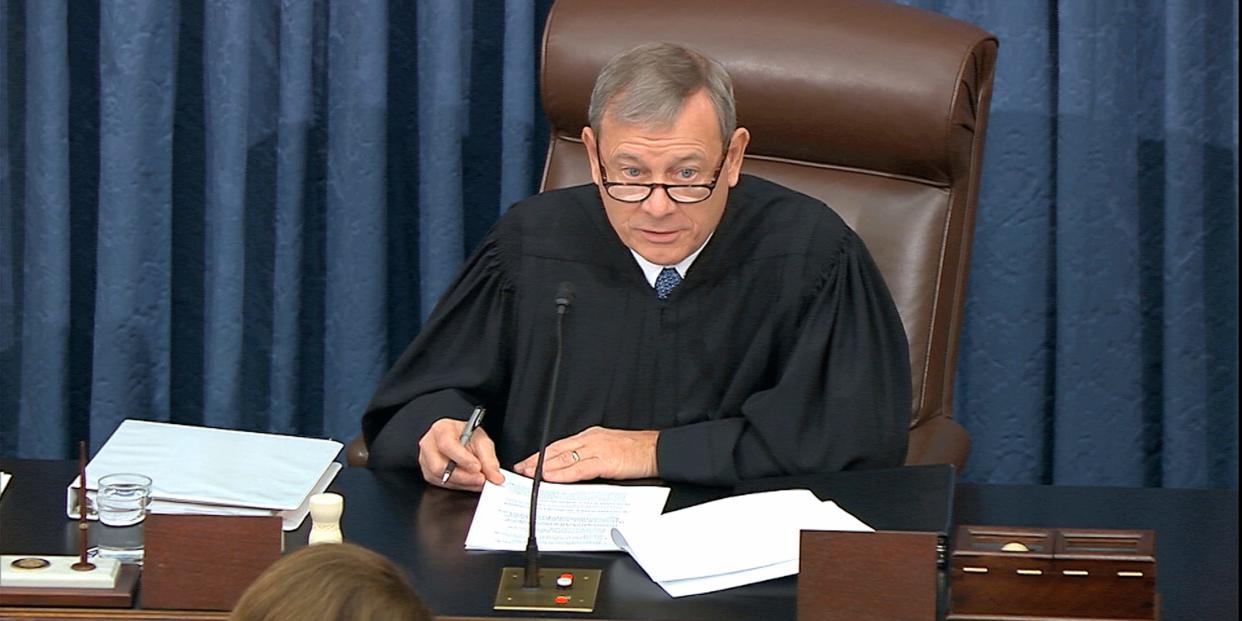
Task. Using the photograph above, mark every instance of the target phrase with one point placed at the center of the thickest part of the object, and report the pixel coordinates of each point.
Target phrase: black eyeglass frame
(711, 186)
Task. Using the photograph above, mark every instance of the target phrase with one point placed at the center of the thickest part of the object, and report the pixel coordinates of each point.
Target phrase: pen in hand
(476, 417)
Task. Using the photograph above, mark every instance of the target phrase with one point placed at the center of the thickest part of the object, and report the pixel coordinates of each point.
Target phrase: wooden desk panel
(422, 530)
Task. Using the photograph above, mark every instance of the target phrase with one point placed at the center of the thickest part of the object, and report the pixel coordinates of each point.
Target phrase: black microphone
(564, 297)
(574, 589)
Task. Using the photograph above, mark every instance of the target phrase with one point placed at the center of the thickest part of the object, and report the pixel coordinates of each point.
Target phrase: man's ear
(588, 142)
(737, 150)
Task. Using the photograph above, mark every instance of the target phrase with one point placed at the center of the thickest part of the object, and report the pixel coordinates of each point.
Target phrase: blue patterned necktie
(666, 282)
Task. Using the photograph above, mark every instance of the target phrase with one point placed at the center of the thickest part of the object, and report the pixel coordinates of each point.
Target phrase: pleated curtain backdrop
(238, 213)
(1100, 344)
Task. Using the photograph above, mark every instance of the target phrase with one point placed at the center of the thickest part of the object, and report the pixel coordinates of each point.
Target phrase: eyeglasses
(684, 193)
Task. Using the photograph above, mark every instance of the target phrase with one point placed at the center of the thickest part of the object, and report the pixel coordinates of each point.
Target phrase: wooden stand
(205, 562)
(880, 576)
(54, 580)
(1000, 573)
(121, 595)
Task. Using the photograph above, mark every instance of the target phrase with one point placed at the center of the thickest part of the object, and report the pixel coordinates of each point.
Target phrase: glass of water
(121, 504)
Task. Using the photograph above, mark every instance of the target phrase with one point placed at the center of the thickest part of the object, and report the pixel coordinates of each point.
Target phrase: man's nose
(659, 204)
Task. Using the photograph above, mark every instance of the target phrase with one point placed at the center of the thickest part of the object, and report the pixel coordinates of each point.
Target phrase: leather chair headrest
(885, 102)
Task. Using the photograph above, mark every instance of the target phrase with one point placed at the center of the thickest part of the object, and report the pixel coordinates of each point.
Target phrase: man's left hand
(595, 453)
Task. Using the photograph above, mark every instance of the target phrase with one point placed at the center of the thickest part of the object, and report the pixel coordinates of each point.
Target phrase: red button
(562, 599)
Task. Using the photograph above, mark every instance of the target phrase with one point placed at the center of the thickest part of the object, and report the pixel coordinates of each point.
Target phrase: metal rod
(83, 526)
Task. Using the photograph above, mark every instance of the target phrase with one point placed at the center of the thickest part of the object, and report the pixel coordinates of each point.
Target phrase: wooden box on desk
(867, 576)
(999, 573)
(205, 562)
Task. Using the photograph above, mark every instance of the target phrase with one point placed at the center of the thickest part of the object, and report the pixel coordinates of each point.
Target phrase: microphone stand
(560, 588)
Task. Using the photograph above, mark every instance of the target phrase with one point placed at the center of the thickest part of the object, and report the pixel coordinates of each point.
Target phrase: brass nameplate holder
(41, 580)
(999, 573)
(54, 580)
(548, 597)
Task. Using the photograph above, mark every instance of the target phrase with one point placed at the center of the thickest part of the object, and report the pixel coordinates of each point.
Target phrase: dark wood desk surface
(423, 529)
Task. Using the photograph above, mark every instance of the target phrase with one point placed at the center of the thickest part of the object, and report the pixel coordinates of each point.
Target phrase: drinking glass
(122, 507)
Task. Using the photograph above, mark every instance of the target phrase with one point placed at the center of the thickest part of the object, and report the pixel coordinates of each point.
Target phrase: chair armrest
(938, 440)
(356, 453)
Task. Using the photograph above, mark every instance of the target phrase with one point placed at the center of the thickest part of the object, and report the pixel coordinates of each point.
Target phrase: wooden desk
(423, 529)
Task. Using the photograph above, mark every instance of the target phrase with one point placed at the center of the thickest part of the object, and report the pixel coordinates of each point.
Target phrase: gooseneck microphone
(564, 297)
(560, 589)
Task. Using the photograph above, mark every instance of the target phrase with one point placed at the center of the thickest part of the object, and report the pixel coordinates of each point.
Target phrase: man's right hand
(476, 461)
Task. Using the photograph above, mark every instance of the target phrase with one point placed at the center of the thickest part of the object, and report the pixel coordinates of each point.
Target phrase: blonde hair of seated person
(337, 582)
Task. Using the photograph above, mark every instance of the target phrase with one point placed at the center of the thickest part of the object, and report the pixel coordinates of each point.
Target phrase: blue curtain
(1100, 344)
(238, 213)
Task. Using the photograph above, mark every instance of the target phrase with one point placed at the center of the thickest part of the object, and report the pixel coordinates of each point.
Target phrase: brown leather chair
(879, 110)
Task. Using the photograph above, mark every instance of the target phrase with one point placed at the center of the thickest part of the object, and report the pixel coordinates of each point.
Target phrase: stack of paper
(708, 547)
(572, 518)
(216, 471)
(730, 542)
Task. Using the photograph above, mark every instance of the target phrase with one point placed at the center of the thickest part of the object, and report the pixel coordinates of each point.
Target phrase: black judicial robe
(780, 353)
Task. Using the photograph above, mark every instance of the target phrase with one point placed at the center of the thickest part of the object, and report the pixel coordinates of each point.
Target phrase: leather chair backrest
(877, 109)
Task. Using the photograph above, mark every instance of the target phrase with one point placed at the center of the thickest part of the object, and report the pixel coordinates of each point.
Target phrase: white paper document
(216, 471)
(4, 480)
(730, 542)
(572, 517)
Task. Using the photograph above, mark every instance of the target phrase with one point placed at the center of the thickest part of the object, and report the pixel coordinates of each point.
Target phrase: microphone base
(578, 597)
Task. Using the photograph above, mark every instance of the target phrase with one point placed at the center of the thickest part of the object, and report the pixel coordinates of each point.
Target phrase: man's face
(687, 151)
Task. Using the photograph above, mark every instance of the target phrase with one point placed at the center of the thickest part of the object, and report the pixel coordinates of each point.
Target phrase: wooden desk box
(879, 576)
(205, 562)
(999, 573)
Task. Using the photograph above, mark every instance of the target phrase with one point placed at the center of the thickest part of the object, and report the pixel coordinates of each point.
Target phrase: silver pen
(476, 418)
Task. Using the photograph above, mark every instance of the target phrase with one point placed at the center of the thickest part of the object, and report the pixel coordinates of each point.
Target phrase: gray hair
(649, 84)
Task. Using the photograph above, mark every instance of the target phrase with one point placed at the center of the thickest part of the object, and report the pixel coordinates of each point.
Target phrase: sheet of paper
(4, 480)
(708, 584)
(730, 542)
(572, 517)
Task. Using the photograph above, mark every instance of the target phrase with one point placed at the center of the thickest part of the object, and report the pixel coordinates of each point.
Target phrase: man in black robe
(723, 327)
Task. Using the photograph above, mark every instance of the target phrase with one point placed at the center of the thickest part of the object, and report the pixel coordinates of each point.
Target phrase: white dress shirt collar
(652, 271)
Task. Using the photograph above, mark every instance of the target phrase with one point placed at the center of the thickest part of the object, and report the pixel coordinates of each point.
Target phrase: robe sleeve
(459, 359)
(842, 399)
